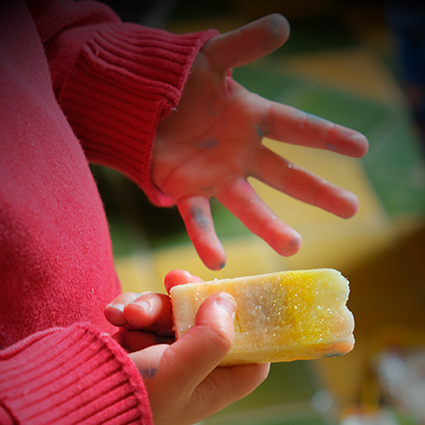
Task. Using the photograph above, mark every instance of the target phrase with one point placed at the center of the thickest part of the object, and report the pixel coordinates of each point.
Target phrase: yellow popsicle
(282, 316)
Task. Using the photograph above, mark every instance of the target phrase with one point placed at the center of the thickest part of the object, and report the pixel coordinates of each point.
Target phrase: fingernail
(226, 302)
(144, 304)
(117, 306)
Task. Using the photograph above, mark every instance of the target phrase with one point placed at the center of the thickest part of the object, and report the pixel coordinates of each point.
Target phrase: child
(78, 85)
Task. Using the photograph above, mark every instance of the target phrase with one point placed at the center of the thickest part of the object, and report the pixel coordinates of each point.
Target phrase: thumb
(194, 356)
(247, 43)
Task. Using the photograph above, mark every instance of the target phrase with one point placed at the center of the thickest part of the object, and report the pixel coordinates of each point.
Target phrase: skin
(211, 143)
(182, 378)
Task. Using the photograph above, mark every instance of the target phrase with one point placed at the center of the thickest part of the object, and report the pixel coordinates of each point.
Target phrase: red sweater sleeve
(65, 375)
(115, 81)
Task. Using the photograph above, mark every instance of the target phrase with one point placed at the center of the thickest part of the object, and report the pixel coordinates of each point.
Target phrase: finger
(203, 347)
(245, 44)
(286, 177)
(243, 202)
(147, 309)
(114, 311)
(179, 277)
(196, 214)
(291, 125)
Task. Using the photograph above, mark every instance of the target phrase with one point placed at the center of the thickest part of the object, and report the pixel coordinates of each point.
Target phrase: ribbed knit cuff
(71, 376)
(126, 79)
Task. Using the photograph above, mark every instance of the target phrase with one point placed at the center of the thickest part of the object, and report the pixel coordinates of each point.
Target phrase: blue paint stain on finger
(274, 26)
(199, 218)
(211, 143)
(331, 147)
(259, 132)
(150, 372)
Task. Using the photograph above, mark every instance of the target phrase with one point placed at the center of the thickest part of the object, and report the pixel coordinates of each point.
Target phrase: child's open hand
(183, 381)
(211, 144)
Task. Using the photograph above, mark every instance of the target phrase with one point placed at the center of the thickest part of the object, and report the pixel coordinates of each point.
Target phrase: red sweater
(76, 84)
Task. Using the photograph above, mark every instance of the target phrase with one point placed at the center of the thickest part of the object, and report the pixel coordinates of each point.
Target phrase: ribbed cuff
(71, 376)
(126, 79)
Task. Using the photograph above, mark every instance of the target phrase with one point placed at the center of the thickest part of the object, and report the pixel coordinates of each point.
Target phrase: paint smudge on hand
(150, 372)
(211, 143)
(199, 217)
